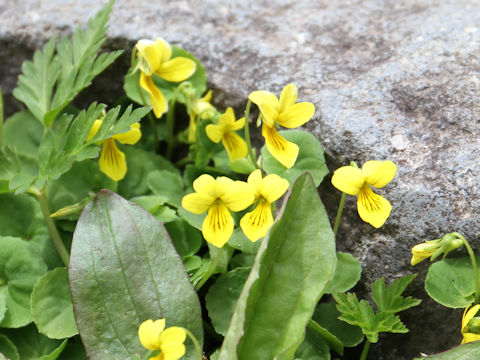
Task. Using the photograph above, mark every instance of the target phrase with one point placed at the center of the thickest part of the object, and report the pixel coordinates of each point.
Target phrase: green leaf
(123, 271)
(313, 347)
(186, 239)
(167, 184)
(242, 260)
(291, 270)
(240, 242)
(73, 351)
(33, 346)
(222, 298)
(347, 274)
(23, 133)
(326, 315)
(333, 342)
(53, 79)
(390, 299)
(450, 282)
(310, 158)
(470, 351)
(20, 269)
(154, 205)
(8, 349)
(52, 305)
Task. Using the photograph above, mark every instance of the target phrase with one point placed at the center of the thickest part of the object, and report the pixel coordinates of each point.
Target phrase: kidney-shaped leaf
(123, 271)
(292, 268)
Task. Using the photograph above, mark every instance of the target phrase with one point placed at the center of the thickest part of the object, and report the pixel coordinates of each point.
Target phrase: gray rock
(390, 79)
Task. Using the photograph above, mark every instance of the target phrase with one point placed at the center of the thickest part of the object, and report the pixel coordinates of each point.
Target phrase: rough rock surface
(391, 79)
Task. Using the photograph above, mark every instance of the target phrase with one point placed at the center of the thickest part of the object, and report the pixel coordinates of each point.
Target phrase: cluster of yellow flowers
(218, 196)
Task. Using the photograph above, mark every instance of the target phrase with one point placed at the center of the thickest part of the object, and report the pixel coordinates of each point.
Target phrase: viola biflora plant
(152, 229)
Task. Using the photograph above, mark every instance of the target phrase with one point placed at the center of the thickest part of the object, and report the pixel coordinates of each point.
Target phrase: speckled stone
(390, 79)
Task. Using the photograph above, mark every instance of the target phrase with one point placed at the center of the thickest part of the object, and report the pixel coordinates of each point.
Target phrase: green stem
(210, 271)
(1, 118)
(251, 155)
(183, 161)
(171, 125)
(366, 347)
(52, 229)
(474, 266)
(339, 214)
(198, 348)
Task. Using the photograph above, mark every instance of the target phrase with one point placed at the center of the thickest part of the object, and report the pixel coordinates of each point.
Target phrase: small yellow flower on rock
(225, 131)
(112, 161)
(154, 336)
(286, 112)
(218, 196)
(199, 108)
(256, 223)
(435, 248)
(470, 325)
(155, 58)
(372, 208)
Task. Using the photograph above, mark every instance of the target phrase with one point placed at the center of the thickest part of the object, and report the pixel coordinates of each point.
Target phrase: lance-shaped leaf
(124, 270)
(290, 273)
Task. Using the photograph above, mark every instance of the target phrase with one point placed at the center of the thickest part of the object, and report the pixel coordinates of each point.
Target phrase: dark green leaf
(52, 305)
(390, 299)
(333, 342)
(123, 271)
(8, 349)
(310, 158)
(242, 260)
(291, 270)
(222, 298)
(186, 239)
(450, 282)
(20, 269)
(167, 184)
(347, 273)
(313, 347)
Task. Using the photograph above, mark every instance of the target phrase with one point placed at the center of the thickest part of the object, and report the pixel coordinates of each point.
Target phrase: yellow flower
(286, 113)
(256, 223)
(435, 248)
(372, 208)
(154, 336)
(201, 108)
(470, 325)
(217, 197)
(225, 131)
(112, 161)
(155, 58)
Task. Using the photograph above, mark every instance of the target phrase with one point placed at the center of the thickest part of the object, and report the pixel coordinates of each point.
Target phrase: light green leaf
(240, 242)
(20, 269)
(167, 184)
(347, 273)
(291, 270)
(8, 349)
(52, 305)
(470, 351)
(222, 298)
(390, 299)
(34, 346)
(450, 282)
(195, 220)
(186, 239)
(23, 133)
(192, 263)
(123, 271)
(310, 158)
(242, 166)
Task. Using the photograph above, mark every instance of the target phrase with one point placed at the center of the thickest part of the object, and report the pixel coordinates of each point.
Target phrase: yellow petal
(157, 99)
(173, 334)
(197, 203)
(164, 49)
(236, 147)
(206, 184)
(227, 119)
(112, 161)
(131, 136)
(469, 337)
(268, 105)
(176, 69)
(173, 351)
(239, 124)
(273, 187)
(379, 173)
(149, 333)
(284, 151)
(348, 179)
(468, 314)
(192, 129)
(296, 115)
(288, 97)
(372, 208)
(238, 195)
(256, 223)
(423, 251)
(149, 56)
(218, 225)
(256, 182)
(208, 97)
(94, 129)
(214, 132)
